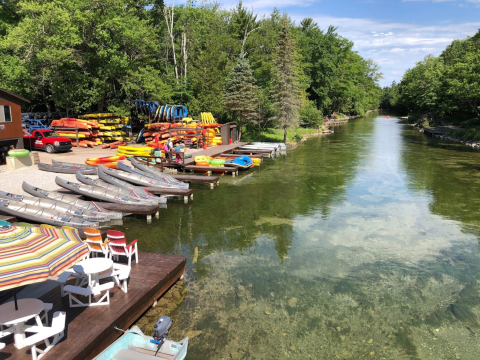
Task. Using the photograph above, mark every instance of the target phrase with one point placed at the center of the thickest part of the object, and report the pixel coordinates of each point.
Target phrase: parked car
(46, 139)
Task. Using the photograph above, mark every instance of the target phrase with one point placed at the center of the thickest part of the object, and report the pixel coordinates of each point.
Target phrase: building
(11, 132)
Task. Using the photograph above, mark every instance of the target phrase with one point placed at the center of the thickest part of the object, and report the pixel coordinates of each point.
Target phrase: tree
(285, 91)
(240, 93)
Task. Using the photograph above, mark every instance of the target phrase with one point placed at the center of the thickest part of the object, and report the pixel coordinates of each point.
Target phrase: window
(5, 113)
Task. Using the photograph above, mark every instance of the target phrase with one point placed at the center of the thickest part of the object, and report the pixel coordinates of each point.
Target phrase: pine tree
(240, 93)
(285, 91)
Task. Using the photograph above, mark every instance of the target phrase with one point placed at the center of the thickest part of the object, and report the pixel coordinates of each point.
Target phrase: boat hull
(66, 169)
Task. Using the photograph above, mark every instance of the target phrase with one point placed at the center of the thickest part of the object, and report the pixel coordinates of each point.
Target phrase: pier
(440, 130)
(90, 330)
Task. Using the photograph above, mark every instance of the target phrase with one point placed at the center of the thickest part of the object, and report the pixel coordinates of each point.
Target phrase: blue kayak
(243, 162)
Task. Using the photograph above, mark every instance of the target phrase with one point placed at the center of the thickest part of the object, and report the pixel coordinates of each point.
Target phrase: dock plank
(90, 330)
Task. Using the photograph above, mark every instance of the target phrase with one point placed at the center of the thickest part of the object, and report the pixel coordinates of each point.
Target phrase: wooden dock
(90, 330)
(253, 152)
(199, 179)
(440, 130)
(209, 169)
(214, 151)
(186, 193)
(148, 210)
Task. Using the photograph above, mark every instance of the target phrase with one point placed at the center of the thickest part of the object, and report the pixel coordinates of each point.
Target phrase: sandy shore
(11, 180)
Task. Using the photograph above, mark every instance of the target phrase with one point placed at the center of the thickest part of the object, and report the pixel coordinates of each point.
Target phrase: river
(359, 244)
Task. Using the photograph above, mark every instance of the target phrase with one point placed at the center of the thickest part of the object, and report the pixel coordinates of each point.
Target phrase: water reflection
(353, 246)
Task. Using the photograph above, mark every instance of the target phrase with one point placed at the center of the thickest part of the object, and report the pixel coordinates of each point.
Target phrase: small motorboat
(41, 215)
(242, 162)
(135, 345)
(67, 169)
(127, 192)
(59, 206)
(73, 200)
(99, 193)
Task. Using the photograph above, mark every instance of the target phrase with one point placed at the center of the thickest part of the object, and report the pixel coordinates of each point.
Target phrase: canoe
(73, 200)
(134, 178)
(61, 163)
(159, 180)
(59, 206)
(67, 169)
(125, 191)
(138, 190)
(42, 215)
(98, 193)
(134, 344)
(152, 171)
(242, 162)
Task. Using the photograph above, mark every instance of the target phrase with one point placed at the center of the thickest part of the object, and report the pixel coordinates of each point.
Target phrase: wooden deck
(90, 330)
(186, 193)
(266, 153)
(200, 179)
(227, 169)
(214, 151)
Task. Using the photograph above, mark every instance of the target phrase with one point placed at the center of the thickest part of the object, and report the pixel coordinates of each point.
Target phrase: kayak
(106, 159)
(111, 165)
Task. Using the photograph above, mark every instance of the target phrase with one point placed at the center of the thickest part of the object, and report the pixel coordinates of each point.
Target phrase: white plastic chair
(43, 333)
(90, 293)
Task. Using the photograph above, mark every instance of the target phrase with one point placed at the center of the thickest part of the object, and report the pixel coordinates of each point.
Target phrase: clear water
(356, 245)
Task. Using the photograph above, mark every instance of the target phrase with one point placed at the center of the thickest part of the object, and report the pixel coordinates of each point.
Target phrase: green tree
(240, 93)
(286, 89)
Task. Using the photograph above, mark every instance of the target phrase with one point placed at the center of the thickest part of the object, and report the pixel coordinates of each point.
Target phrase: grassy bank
(467, 134)
(276, 135)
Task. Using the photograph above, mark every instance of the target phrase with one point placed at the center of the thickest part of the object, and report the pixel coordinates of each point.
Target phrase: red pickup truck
(46, 139)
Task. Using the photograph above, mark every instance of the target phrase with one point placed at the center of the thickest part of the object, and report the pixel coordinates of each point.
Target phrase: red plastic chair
(118, 246)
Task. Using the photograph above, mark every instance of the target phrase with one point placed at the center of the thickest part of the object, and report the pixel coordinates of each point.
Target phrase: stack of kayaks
(138, 190)
(43, 215)
(59, 206)
(99, 193)
(165, 180)
(123, 190)
(66, 168)
(111, 128)
(69, 199)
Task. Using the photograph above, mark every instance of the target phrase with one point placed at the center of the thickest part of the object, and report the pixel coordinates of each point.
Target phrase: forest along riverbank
(358, 244)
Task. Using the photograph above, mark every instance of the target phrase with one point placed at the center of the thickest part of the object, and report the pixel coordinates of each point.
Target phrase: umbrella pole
(15, 298)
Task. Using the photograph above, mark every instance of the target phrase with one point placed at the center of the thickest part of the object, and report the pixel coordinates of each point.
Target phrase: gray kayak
(98, 193)
(41, 215)
(152, 171)
(66, 169)
(59, 206)
(160, 181)
(127, 192)
(70, 199)
(140, 191)
(133, 178)
(62, 163)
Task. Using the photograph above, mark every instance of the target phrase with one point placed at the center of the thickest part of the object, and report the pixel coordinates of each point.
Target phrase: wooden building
(11, 132)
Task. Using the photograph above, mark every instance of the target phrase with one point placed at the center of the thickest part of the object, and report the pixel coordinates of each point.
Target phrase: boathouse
(11, 132)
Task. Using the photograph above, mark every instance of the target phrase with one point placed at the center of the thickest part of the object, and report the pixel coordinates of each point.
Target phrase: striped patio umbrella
(30, 255)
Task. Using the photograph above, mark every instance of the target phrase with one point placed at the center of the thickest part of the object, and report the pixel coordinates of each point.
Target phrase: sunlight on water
(360, 244)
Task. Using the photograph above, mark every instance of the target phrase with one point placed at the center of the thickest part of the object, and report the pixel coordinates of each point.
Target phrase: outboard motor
(160, 331)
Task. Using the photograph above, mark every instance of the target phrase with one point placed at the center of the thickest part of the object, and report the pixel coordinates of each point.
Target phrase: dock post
(233, 173)
(212, 185)
(209, 172)
(157, 215)
(149, 219)
(191, 197)
(185, 199)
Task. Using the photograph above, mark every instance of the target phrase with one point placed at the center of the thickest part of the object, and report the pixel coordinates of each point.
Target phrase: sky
(394, 33)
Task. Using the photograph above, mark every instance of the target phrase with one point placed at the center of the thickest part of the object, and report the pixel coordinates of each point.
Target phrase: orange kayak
(112, 165)
(107, 159)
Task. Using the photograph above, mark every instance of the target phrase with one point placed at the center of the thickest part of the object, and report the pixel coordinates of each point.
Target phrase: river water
(356, 245)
